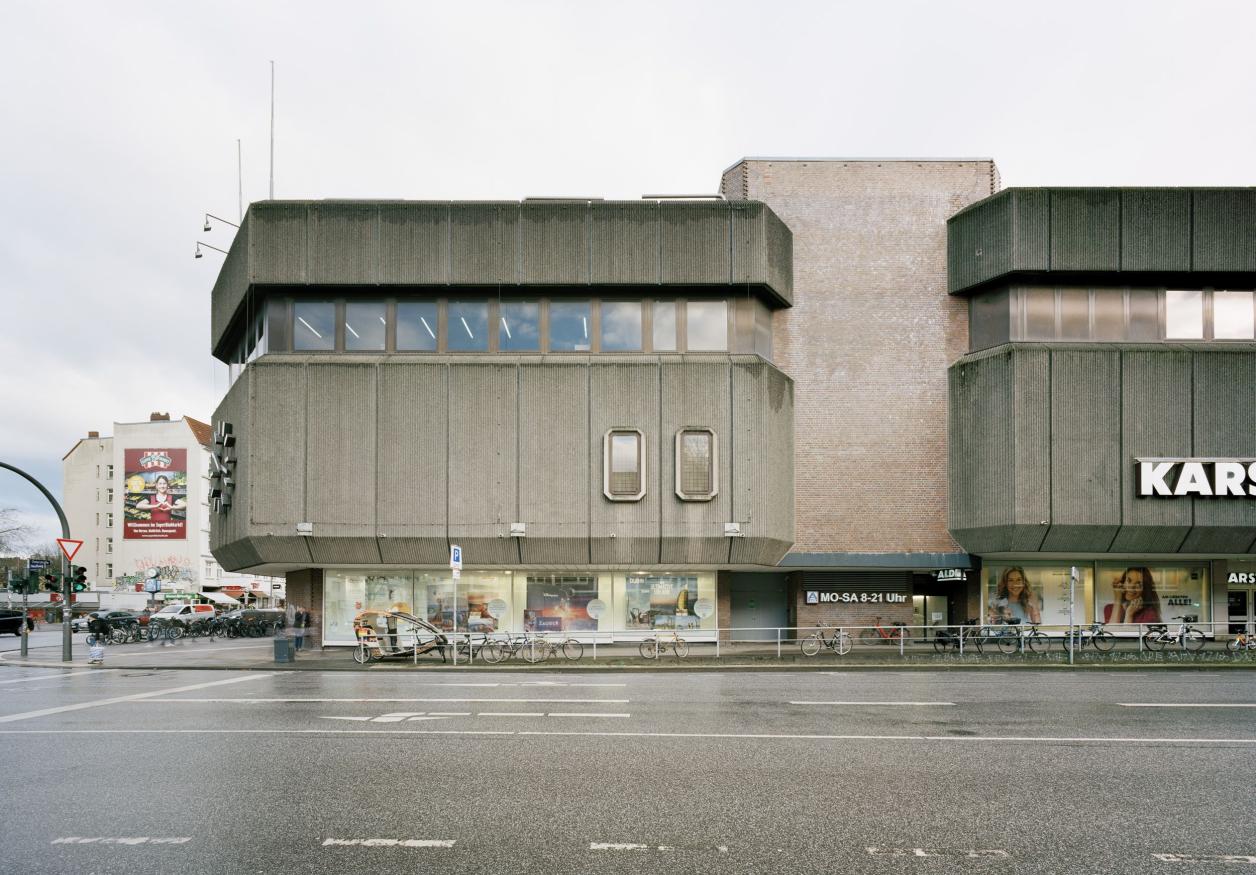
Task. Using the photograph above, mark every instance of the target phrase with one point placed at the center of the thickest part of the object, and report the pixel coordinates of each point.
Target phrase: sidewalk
(258, 654)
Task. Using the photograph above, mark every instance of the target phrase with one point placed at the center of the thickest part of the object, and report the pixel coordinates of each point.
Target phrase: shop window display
(668, 602)
(1131, 594)
(1027, 593)
(560, 604)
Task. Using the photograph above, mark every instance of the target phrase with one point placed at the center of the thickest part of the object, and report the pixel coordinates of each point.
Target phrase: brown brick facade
(868, 342)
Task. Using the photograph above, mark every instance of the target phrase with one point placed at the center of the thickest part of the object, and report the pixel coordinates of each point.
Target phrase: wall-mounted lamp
(199, 244)
(209, 216)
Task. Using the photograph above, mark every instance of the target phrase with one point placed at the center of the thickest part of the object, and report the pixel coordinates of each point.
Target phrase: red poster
(156, 495)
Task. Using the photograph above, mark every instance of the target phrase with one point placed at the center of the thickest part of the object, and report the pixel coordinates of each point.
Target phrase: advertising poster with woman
(155, 506)
(1130, 595)
(1037, 594)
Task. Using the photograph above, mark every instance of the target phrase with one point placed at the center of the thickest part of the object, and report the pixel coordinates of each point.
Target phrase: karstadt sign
(1179, 478)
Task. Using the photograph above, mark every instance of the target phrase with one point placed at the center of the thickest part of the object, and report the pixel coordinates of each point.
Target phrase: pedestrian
(98, 629)
(299, 619)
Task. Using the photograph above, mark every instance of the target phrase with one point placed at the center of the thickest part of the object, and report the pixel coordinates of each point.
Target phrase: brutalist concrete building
(844, 390)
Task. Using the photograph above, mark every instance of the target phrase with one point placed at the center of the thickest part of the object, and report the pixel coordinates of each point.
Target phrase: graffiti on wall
(170, 569)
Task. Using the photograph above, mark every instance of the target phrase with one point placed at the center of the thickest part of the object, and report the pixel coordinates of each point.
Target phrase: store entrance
(1242, 609)
(929, 611)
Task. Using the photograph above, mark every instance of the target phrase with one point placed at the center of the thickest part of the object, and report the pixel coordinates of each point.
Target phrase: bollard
(778, 642)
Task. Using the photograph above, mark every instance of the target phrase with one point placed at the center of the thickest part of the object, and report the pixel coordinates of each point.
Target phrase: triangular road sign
(69, 547)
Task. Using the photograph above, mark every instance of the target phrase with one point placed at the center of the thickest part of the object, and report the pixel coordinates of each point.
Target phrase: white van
(184, 614)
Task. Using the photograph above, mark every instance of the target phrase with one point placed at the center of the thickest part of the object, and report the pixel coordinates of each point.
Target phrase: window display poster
(474, 594)
(1037, 594)
(1130, 594)
(662, 602)
(156, 502)
(560, 604)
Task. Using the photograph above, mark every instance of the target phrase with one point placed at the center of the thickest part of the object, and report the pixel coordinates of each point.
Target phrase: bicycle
(949, 638)
(653, 648)
(840, 643)
(528, 647)
(1093, 636)
(1187, 636)
(880, 634)
(1241, 641)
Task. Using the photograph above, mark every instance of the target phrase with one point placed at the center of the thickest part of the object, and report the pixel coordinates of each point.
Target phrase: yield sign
(69, 547)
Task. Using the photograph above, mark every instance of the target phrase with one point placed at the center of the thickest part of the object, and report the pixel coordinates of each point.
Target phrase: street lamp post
(67, 634)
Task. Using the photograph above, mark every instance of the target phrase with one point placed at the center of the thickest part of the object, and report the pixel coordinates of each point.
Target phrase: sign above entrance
(950, 574)
(1177, 478)
(816, 597)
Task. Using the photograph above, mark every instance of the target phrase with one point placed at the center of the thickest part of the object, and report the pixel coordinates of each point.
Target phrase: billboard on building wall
(155, 506)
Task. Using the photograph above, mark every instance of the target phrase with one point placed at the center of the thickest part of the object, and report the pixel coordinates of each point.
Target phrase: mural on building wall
(156, 495)
(171, 569)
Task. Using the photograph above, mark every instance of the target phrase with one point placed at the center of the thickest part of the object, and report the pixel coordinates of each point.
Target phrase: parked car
(11, 623)
(184, 614)
(115, 618)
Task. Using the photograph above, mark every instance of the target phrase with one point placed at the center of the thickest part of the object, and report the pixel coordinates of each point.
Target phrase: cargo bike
(396, 635)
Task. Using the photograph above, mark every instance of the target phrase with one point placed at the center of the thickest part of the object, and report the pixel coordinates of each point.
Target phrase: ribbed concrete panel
(625, 243)
(235, 408)
(1224, 389)
(554, 447)
(1225, 229)
(1155, 421)
(1155, 229)
(624, 393)
(483, 460)
(414, 244)
(555, 243)
(1085, 449)
(277, 444)
(281, 549)
(231, 285)
(344, 244)
(1031, 229)
(345, 551)
(696, 244)
(1085, 229)
(763, 459)
(484, 243)
(696, 393)
(780, 246)
(981, 448)
(341, 428)
(749, 241)
(979, 242)
(412, 476)
(278, 243)
(1031, 464)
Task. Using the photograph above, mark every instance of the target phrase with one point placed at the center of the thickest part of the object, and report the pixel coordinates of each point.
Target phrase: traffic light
(80, 578)
(51, 584)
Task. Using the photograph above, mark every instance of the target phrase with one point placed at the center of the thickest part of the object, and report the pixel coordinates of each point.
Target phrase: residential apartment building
(138, 501)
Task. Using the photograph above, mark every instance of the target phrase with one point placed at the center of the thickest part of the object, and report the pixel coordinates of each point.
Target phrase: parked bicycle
(1093, 636)
(526, 646)
(949, 638)
(839, 643)
(1011, 636)
(879, 634)
(1187, 636)
(656, 646)
(1241, 641)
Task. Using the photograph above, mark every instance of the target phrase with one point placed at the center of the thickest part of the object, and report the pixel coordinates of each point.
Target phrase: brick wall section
(868, 342)
(850, 616)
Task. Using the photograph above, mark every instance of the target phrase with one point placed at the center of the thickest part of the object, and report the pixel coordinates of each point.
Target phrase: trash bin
(285, 650)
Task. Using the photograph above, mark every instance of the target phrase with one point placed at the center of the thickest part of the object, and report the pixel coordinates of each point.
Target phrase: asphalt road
(1017, 771)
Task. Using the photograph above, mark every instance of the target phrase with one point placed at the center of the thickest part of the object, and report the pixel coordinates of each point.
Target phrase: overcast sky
(120, 123)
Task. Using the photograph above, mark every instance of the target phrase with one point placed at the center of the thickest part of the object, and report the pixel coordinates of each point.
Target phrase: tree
(13, 533)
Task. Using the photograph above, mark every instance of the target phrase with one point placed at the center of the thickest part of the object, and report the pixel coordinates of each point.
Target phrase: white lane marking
(575, 714)
(135, 697)
(122, 840)
(516, 684)
(45, 677)
(396, 717)
(636, 846)
(450, 713)
(389, 843)
(354, 719)
(511, 714)
(286, 701)
(1205, 858)
(590, 734)
(970, 854)
(1186, 705)
(909, 704)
